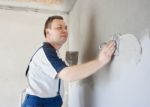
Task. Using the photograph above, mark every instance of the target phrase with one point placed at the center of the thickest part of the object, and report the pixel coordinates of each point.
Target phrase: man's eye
(59, 28)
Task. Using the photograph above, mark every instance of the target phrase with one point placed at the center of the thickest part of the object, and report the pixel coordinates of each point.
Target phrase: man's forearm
(81, 71)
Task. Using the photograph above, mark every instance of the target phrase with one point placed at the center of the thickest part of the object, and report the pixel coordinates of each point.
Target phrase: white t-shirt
(42, 72)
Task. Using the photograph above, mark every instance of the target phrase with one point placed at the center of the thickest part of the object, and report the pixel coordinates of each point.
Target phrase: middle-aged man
(46, 69)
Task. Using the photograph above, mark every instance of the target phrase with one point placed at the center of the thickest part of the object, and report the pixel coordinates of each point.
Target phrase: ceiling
(44, 6)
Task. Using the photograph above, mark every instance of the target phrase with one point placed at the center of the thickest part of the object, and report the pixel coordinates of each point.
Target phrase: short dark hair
(49, 21)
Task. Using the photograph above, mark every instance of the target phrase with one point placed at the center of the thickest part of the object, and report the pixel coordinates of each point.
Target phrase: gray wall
(93, 22)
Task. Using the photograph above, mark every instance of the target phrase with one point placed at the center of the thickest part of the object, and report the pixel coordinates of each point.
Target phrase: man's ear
(47, 31)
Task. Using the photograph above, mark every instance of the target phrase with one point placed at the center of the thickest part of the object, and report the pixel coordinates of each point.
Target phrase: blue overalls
(34, 101)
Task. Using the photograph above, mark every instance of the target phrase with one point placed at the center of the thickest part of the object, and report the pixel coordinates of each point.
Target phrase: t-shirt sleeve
(51, 63)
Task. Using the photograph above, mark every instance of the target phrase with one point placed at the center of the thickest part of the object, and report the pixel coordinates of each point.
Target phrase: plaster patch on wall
(129, 48)
(128, 54)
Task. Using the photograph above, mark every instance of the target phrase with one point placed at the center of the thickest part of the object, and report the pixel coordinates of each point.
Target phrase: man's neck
(56, 46)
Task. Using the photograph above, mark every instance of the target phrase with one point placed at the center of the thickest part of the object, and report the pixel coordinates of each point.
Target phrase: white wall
(91, 23)
(21, 33)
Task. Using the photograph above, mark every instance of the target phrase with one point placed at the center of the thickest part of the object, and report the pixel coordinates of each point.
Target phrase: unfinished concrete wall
(120, 84)
(21, 33)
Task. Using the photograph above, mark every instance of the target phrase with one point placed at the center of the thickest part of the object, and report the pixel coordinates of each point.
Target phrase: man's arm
(81, 71)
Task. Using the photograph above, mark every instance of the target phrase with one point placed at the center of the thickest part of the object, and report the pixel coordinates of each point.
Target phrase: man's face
(57, 32)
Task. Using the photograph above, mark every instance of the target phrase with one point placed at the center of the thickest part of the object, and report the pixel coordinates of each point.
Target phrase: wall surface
(20, 35)
(95, 21)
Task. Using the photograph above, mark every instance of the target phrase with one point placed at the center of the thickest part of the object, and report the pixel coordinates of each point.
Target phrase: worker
(46, 69)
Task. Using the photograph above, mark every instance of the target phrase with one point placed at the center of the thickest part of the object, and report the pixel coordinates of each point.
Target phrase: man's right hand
(106, 52)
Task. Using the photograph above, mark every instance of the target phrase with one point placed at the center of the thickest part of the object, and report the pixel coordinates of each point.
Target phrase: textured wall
(93, 22)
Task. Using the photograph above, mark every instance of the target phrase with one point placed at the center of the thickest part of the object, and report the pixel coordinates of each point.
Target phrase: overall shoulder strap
(58, 92)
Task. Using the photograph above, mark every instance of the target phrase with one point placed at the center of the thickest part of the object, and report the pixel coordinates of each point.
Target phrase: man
(46, 68)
